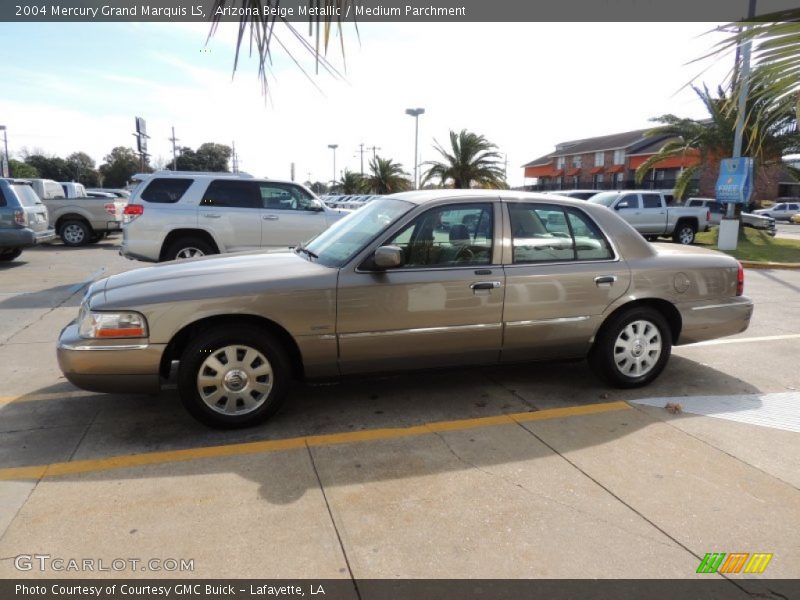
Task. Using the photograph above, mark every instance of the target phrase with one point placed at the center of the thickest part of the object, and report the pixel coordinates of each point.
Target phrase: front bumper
(710, 320)
(114, 366)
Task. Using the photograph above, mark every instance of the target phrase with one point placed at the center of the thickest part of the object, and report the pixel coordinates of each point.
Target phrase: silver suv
(182, 214)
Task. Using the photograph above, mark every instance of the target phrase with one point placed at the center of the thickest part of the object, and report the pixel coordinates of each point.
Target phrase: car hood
(216, 276)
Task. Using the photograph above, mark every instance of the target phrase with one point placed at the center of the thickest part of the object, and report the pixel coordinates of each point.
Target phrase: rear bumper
(118, 366)
(24, 237)
(710, 320)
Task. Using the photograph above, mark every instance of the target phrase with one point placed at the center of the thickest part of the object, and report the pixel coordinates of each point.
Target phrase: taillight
(111, 208)
(19, 218)
(740, 280)
(132, 211)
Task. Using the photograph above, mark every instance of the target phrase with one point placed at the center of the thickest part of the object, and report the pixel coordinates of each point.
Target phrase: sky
(525, 86)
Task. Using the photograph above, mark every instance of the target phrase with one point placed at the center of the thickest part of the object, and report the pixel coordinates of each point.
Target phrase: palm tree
(712, 138)
(350, 183)
(386, 177)
(471, 160)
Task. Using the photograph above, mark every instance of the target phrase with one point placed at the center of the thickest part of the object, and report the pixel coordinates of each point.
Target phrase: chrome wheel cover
(637, 348)
(189, 252)
(686, 235)
(234, 380)
(73, 233)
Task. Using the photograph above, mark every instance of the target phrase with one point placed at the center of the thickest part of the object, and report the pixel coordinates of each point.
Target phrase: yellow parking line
(350, 437)
(4, 400)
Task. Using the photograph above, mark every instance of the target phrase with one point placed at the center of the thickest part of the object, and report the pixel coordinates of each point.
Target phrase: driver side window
(453, 235)
(629, 201)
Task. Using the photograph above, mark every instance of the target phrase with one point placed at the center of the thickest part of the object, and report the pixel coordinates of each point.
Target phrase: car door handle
(270, 217)
(211, 216)
(605, 280)
(485, 285)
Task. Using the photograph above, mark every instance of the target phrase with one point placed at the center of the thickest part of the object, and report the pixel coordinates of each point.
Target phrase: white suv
(182, 214)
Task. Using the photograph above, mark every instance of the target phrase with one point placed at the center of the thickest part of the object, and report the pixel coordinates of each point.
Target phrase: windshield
(339, 243)
(604, 198)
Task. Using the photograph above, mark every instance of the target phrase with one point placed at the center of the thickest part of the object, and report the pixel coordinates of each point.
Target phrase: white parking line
(779, 410)
(766, 338)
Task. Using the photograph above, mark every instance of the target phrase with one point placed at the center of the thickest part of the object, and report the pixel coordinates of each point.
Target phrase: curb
(753, 264)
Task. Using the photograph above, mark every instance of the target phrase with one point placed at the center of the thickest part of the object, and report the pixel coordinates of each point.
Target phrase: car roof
(426, 196)
(207, 175)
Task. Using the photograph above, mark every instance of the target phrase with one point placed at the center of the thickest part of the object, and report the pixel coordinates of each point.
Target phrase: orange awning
(597, 170)
(574, 172)
(558, 172)
(539, 171)
(691, 158)
(616, 169)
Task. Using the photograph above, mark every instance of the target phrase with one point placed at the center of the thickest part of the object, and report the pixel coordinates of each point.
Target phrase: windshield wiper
(307, 251)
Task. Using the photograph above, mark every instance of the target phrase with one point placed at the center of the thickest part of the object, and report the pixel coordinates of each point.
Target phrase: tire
(240, 365)
(188, 247)
(75, 233)
(684, 233)
(651, 238)
(9, 255)
(613, 359)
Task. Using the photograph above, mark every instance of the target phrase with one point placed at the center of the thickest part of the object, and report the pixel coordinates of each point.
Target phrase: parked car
(781, 211)
(384, 289)
(78, 221)
(176, 215)
(651, 214)
(23, 219)
(119, 193)
(576, 194)
(717, 210)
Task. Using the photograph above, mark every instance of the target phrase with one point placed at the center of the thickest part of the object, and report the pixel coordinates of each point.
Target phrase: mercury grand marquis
(413, 280)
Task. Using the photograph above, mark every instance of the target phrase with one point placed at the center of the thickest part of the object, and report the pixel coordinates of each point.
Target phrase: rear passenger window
(232, 194)
(166, 190)
(544, 233)
(651, 200)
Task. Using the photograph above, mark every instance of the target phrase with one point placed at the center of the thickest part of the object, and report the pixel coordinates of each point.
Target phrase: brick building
(610, 162)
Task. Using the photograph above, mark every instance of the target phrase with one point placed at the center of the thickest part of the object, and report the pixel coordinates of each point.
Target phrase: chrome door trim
(64, 346)
(708, 306)
(480, 326)
(554, 321)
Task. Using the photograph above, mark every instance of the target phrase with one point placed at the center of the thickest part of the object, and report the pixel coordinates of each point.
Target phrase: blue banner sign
(735, 182)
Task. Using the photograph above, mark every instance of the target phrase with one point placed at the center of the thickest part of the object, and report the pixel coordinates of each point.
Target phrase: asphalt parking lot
(789, 231)
(533, 470)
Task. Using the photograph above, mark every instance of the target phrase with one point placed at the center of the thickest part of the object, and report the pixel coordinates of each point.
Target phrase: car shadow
(58, 296)
(60, 423)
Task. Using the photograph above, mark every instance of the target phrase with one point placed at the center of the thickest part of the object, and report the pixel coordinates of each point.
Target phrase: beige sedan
(415, 280)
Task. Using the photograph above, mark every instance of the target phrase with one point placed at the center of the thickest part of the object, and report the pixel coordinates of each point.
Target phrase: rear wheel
(75, 233)
(9, 254)
(633, 348)
(231, 377)
(684, 233)
(188, 247)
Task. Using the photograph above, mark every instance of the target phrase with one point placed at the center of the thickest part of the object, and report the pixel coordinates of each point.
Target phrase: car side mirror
(387, 257)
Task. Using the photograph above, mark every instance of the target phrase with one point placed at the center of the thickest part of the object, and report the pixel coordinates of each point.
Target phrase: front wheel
(232, 377)
(9, 255)
(633, 348)
(684, 234)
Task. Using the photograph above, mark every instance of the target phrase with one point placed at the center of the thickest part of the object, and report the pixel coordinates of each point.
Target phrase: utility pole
(333, 147)
(6, 159)
(361, 152)
(173, 139)
(234, 158)
(374, 149)
(729, 227)
(416, 112)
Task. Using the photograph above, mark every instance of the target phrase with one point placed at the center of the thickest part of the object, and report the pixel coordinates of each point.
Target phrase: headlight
(111, 324)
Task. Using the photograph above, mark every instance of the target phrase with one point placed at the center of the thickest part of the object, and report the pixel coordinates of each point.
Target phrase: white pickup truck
(651, 214)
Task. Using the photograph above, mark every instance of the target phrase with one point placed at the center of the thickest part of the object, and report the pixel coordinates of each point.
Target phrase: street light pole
(416, 112)
(333, 147)
(5, 143)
